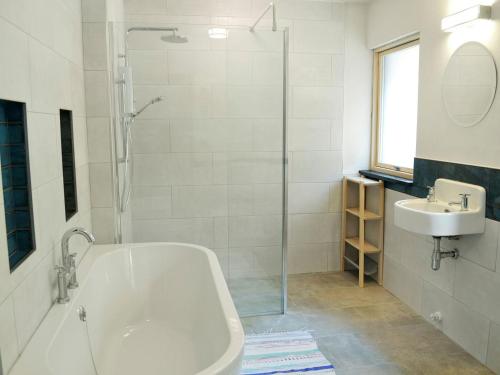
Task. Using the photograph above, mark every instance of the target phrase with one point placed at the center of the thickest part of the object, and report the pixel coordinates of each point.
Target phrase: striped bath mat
(293, 353)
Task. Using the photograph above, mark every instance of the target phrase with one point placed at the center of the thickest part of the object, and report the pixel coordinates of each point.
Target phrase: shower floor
(365, 331)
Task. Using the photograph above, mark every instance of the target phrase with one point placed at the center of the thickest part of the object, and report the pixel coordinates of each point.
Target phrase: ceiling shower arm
(145, 28)
(271, 6)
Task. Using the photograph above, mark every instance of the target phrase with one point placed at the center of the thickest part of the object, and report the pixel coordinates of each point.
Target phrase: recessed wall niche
(68, 163)
(16, 182)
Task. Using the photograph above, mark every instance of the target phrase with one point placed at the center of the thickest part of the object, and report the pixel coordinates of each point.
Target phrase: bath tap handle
(73, 282)
(431, 195)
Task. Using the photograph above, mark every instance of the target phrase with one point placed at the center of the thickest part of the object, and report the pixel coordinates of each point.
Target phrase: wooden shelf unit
(363, 205)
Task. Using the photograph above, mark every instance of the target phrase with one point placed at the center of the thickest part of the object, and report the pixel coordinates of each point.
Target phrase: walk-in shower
(208, 160)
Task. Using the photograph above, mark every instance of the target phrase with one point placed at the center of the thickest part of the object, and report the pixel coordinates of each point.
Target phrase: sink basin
(438, 218)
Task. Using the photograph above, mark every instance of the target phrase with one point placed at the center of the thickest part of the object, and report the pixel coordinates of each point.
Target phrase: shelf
(364, 181)
(371, 267)
(369, 248)
(367, 216)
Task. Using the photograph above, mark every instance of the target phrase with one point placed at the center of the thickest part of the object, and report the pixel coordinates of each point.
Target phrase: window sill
(385, 177)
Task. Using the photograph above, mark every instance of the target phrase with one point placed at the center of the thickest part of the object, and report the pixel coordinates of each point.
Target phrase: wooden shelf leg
(344, 224)
(381, 210)
(361, 269)
(361, 235)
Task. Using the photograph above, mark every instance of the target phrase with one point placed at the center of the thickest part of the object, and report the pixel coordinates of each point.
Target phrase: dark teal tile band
(427, 171)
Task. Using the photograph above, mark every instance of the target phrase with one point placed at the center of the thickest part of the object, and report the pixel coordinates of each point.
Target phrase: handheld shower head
(151, 102)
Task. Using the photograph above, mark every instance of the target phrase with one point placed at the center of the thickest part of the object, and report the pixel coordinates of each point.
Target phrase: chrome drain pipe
(437, 254)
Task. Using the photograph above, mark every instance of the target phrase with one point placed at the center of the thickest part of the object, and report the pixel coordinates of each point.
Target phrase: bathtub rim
(35, 357)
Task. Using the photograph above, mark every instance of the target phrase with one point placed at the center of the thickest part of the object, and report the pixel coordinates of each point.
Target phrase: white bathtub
(151, 309)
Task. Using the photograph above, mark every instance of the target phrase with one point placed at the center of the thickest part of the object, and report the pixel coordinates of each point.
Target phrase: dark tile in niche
(15, 182)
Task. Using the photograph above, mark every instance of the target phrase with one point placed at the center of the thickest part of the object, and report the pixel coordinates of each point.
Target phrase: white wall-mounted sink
(440, 219)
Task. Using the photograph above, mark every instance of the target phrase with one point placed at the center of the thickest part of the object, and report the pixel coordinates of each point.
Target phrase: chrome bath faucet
(66, 274)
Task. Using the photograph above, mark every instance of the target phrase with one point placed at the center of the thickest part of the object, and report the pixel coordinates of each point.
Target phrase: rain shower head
(174, 38)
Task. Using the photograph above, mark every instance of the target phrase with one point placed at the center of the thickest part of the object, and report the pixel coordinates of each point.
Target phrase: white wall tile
(309, 134)
(45, 68)
(464, 325)
(30, 299)
(189, 7)
(14, 54)
(314, 228)
(196, 67)
(334, 257)
(255, 230)
(100, 181)
(81, 146)
(315, 36)
(145, 6)
(17, 12)
(199, 231)
(308, 198)
(151, 202)
(8, 336)
(335, 196)
(317, 102)
(151, 170)
(142, 63)
(316, 166)
(248, 167)
(221, 232)
(259, 199)
(96, 93)
(267, 68)
(94, 45)
(311, 69)
(98, 138)
(43, 21)
(190, 169)
(209, 135)
(268, 135)
(233, 8)
(481, 248)
(199, 201)
(93, 11)
(308, 258)
(49, 218)
(493, 359)
(150, 136)
(44, 141)
(247, 101)
(102, 224)
(403, 283)
(479, 288)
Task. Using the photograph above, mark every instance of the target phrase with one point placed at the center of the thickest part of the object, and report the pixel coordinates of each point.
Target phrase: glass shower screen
(208, 160)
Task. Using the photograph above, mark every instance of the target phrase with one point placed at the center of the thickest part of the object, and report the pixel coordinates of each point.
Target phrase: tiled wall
(316, 104)
(42, 66)
(466, 291)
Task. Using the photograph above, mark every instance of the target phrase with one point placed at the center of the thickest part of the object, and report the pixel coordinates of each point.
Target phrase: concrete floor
(365, 331)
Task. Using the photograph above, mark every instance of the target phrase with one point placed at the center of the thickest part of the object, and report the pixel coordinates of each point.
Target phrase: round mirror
(469, 84)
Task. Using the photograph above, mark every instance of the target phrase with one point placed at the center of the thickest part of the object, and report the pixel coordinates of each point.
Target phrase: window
(395, 108)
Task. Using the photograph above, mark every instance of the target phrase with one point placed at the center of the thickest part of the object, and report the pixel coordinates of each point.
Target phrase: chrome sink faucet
(463, 203)
(66, 274)
(431, 195)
